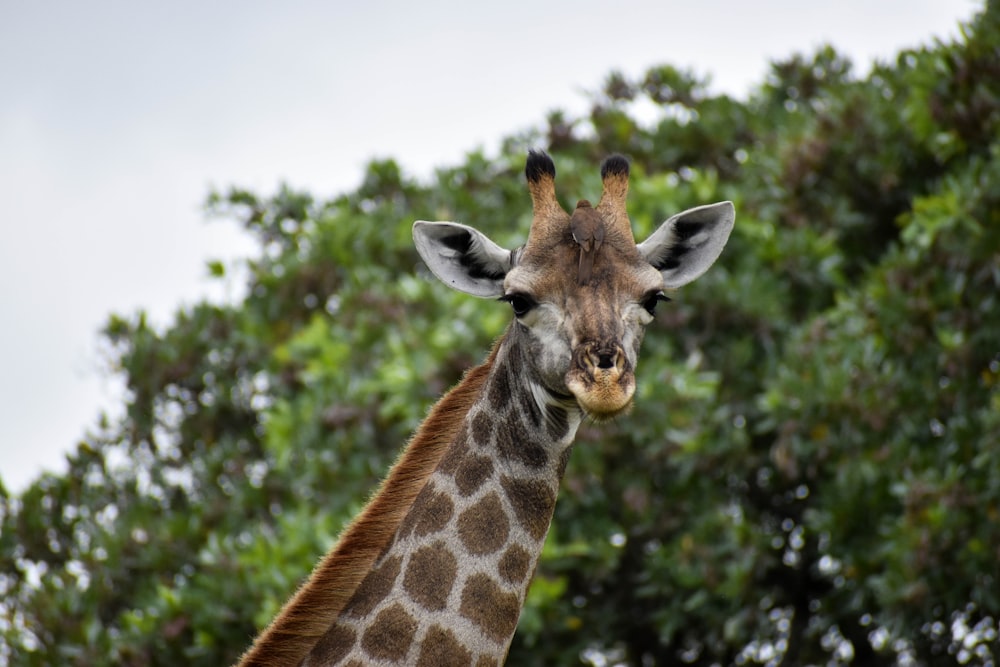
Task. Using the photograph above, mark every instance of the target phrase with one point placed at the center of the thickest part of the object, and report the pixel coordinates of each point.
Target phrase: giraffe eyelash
(520, 303)
(650, 300)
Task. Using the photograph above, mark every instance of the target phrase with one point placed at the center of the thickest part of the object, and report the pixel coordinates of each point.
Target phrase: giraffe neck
(316, 605)
(449, 587)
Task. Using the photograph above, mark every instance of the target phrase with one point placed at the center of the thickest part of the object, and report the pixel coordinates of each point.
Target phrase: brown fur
(317, 604)
(587, 227)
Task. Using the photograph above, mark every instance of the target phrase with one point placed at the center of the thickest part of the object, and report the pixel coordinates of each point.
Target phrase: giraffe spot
(487, 661)
(490, 608)
(499, 392)
(452, 456)
(440, 647)
(515, 444)
(483, 528)
(430, 575)
(533, 503)
(514, 564)
(481, 430)
(334, 645)
(472, 472)
(390, 636)
(374, 588)
(430, 513)
(354, 663)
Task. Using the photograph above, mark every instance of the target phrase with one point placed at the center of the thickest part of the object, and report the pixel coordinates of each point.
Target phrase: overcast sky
(116, 119)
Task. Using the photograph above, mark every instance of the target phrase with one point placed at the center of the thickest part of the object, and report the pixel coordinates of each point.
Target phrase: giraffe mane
(317, 604)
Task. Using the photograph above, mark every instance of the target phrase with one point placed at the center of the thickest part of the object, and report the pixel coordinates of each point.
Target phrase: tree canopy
(811, 474)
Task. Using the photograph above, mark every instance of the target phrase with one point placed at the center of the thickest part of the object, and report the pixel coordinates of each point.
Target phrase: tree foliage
(810, 475)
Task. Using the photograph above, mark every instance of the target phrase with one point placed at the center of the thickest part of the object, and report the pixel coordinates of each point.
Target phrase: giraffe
(436, 567)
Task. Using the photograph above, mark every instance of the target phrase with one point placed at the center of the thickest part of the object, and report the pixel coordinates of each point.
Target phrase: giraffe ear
(462, 257)
(686, 245)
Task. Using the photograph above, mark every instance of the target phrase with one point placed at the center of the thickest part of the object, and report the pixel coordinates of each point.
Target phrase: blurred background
(217, 334)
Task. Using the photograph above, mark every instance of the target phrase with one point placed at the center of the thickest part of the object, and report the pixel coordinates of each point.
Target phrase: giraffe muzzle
(601, 380)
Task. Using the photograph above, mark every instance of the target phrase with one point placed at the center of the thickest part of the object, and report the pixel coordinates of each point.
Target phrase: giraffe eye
(649, 303)
(519, 303)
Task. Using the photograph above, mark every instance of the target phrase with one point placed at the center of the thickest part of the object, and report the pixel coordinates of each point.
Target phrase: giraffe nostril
(594, 357)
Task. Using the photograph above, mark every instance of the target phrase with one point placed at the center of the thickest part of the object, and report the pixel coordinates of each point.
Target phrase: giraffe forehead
(551, 274)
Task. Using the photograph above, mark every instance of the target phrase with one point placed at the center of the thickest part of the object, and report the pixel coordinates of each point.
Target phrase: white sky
(116, 118)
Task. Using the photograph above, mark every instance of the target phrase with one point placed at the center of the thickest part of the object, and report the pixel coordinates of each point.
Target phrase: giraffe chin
(603, 396)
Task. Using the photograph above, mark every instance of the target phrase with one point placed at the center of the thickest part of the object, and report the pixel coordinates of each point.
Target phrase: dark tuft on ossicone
(539, 164)
(614, 165)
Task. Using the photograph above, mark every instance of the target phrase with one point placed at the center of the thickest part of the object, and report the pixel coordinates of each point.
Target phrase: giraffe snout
(601, 379)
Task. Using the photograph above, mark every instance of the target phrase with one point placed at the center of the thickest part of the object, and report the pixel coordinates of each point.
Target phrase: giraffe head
(581, 289)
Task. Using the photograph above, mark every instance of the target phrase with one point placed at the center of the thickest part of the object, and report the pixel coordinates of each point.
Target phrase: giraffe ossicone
(435, 569)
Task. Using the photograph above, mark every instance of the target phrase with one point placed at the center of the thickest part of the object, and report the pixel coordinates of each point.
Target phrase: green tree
(810, 475)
